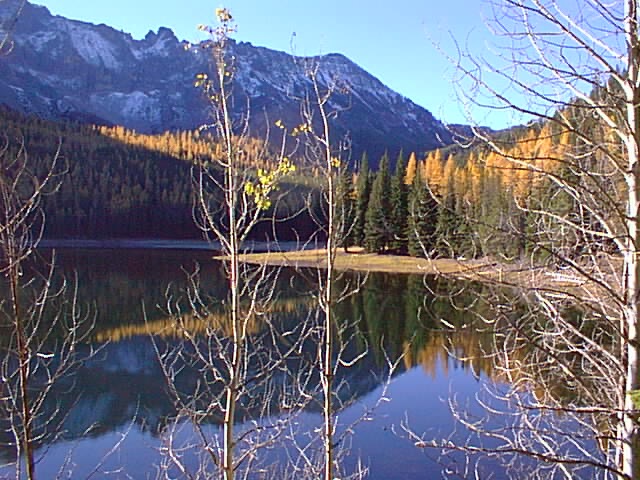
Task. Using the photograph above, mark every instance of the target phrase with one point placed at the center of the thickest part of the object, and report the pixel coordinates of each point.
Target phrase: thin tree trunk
(329, 328)
(238, 337)
(631, 264)
(23, 359)
(327, 373)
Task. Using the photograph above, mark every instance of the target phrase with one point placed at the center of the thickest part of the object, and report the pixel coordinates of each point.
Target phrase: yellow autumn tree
(434, 172)
(412, 167)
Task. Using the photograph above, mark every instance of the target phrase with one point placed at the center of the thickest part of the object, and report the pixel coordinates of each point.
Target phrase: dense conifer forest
(451, 202)
(474, 202)
(118, 183)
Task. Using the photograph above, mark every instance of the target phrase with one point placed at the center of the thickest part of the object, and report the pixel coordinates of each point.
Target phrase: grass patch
(482, 270)
(356, 260)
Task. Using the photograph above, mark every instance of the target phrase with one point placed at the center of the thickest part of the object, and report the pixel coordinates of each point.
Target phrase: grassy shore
(483, 270)
(356, 260)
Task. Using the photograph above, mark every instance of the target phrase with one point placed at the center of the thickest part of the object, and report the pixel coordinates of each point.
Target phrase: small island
(482, 269)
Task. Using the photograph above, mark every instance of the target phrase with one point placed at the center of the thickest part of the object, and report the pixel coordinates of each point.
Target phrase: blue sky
(398, 42)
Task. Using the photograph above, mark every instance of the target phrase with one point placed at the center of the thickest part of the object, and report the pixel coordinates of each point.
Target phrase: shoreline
(159, 244)
(357, 260)
(484, 270)
(289, 254)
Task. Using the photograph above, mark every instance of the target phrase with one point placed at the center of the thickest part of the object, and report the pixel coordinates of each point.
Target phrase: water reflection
(397, 316)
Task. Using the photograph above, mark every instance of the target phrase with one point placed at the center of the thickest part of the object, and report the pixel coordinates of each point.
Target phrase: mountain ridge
(62, 68)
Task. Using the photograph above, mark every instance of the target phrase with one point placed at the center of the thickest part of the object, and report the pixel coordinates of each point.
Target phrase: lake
(111, 415)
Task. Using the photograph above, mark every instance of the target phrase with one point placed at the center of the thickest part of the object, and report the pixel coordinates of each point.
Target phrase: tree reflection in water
(399, 316)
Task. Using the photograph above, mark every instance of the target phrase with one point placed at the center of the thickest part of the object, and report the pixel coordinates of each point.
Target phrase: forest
(120, 184)
(450, 202)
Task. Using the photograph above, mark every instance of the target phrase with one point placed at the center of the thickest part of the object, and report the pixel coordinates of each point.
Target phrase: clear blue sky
(392, 40)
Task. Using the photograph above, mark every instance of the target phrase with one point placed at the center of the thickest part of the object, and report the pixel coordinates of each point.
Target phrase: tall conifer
(377, 224)
(345, 211)
(398, 199)
(363, 190)
(422, 218)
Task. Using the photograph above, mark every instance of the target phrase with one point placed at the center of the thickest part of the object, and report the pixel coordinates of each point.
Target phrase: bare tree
(340, 343)
(570, 357)
(41, 322)
(330, 160)
(245, 383)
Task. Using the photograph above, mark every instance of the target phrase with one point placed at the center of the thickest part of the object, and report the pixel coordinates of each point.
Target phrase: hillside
(66, 69)
(119, 183)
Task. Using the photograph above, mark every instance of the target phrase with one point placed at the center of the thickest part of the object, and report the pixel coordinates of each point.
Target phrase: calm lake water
(116, 404)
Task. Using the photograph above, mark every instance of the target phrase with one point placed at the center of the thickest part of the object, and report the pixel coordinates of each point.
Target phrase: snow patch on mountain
(356, 94)
(40, 40)
(138, 53)
(161, 47)
(252, 86)
(92, 47)
(134, 104)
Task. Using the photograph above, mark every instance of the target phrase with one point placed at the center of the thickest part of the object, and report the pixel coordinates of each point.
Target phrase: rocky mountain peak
(163, 34)
(67, 68)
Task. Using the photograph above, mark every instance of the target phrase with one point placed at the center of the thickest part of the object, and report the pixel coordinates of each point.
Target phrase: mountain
(61, 68)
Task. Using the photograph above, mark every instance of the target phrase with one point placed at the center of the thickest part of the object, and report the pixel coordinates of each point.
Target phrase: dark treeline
(118, 183)
(388, 212)
(108, 189)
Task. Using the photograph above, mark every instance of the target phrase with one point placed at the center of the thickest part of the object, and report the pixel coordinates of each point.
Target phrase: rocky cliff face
(61, 68)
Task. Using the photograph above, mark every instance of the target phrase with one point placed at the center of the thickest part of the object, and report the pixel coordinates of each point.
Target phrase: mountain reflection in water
(123, 389)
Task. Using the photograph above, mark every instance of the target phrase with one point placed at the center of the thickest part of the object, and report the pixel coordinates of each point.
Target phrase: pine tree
(465, 243)
(363, 190)
(377, 224)
(345, 212)
(422, 217)
(398, 200)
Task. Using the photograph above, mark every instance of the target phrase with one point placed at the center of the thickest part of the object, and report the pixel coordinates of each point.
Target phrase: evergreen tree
(345, 212)
(447, 225)
(446, 228)
(363, 190)
(399, 191)
(464, 238)
(422, 217)
(377, 224)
